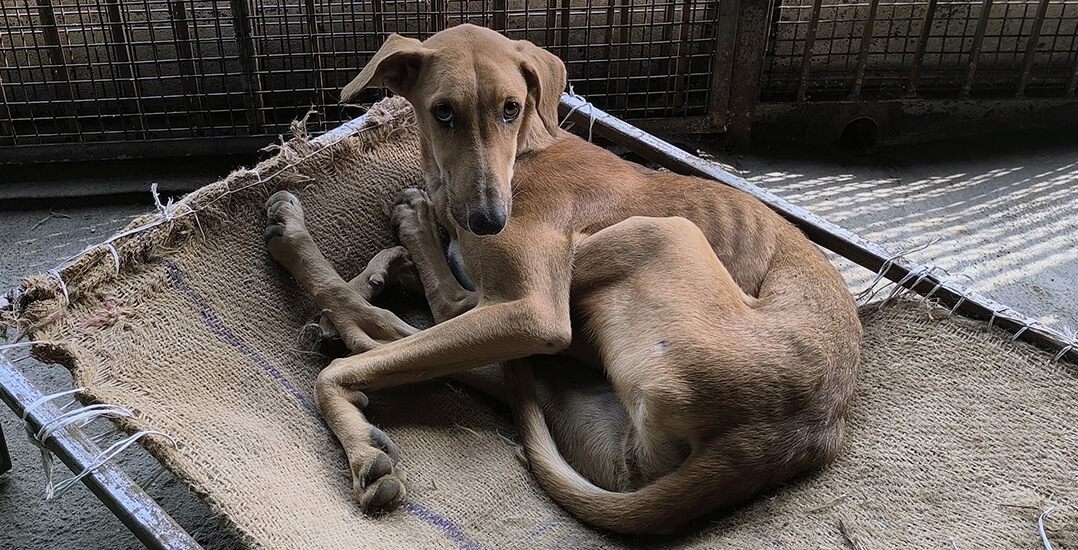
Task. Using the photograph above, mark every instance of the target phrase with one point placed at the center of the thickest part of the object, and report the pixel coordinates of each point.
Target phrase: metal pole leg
(5, 458)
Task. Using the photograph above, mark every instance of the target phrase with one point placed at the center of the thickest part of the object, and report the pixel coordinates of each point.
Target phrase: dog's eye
(442, 112)
(512, 110)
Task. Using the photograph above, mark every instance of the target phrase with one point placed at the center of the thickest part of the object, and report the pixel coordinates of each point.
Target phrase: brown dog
(729, 342)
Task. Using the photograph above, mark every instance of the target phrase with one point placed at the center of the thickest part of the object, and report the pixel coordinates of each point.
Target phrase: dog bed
(957, 436)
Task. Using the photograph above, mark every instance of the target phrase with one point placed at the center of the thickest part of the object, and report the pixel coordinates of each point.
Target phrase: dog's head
(480, 101)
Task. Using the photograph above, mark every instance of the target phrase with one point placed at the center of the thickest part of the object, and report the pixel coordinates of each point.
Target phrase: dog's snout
(486, 221)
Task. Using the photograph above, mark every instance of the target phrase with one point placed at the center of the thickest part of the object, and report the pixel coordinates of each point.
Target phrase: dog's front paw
(412, 215)
(285, 228)
(378, 481)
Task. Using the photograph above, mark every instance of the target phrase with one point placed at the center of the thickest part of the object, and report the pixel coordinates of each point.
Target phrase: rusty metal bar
(181, 34)
(608, 33)
(58, 70)
(681, 67)
(245, 45)
(862, 55)
(138, 512)
(122, 53)
(922, 44)
(5, 456)
(1072, 82)
(1031, 48)
(500, 15)
(722, 66)
(975, 49)
(666, 41)
(318, 79)
(551, 23)
(625, 17)
(566, 18)
(437, 15)
(7, 126)
(378, 11)
(810, 42)
(750, 47)
(824, 233)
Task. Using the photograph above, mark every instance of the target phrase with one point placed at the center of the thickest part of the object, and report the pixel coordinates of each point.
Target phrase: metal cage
(84, 71)
(107, 78)
(931, 49)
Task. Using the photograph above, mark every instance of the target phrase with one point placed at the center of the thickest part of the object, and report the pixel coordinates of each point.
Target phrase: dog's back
(747, 392)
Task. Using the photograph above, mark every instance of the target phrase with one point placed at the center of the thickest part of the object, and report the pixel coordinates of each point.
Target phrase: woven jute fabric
(956, 435)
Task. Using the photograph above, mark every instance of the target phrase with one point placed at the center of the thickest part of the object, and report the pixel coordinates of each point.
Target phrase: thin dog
(727, 344)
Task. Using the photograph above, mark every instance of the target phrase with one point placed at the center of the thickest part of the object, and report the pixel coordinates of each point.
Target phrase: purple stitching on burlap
(441, 522)
(444, 524)
(230, 338)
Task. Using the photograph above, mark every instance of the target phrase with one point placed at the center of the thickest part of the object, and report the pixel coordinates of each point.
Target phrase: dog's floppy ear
(546, 78)
(395, 66)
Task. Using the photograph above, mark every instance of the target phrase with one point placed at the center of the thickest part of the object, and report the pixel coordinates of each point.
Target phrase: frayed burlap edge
(42, 300)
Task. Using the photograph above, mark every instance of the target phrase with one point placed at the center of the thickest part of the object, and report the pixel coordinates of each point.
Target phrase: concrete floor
(1006, 219)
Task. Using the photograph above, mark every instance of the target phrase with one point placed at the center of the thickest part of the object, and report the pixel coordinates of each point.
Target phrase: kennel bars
(110, 78)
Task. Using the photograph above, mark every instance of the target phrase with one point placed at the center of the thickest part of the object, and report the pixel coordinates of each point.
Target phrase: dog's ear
(395, 66)
(546, 78)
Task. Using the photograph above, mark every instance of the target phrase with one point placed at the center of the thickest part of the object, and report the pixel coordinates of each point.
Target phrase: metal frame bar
(806, 55)
(922, 43)
(144, 517)
(1031, 48)
(248, 54)
(5, 456)
(722, 68)
(750, 46)
(824, 233)
(862, 54)
(975, 49)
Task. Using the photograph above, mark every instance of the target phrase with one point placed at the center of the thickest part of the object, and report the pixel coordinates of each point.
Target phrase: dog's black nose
(486, 222)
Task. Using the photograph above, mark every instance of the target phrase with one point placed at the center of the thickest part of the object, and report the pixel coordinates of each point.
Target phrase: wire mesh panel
(86, 71)
(880, 49)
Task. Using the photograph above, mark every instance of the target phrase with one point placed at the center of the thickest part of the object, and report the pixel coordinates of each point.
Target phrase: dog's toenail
(382, 466)
(384, 494)
(273, 232)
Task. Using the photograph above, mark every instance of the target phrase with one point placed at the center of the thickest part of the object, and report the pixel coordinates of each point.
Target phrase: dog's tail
(694, 488)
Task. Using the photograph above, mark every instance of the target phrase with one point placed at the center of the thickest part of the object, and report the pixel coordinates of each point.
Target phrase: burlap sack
(956, 434)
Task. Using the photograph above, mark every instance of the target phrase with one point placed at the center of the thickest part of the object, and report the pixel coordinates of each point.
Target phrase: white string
(961, 298)
(1040, 527)
(80, 417)
(18, 344)
(46, 398)
(1026, 324)
(995, 313)
(585, 103)
(63, 285)
(920, 272)
(105, 456)
(115, 256)
(886, 267)
(162, 210)
(84, 416)
(1070, 345)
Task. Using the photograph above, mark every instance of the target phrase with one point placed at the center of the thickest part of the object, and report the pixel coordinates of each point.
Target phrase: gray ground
(1005, 218)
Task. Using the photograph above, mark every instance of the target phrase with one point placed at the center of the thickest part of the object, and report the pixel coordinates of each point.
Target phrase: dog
(670, 345)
